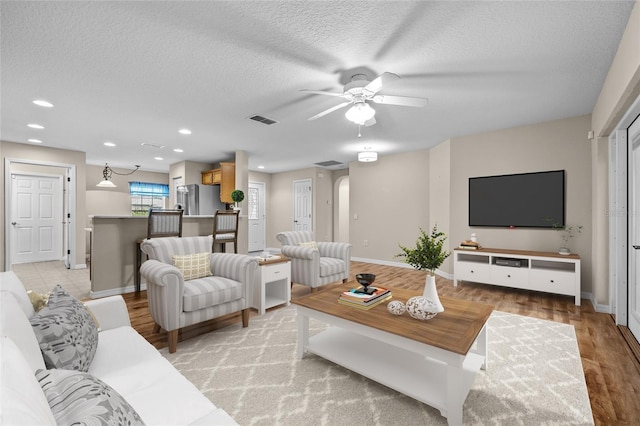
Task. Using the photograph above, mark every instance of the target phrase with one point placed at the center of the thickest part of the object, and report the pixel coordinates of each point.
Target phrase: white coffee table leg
(303, 334)
(454, 390)
(483, 347)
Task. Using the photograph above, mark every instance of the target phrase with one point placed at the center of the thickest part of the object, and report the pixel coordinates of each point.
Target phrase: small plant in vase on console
(428, 255)
(567, 232)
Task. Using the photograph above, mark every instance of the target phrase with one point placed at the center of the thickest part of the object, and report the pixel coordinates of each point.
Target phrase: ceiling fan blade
(322, 92)
(384, 78)
(370, 122)
(400, 100)
(330, 110)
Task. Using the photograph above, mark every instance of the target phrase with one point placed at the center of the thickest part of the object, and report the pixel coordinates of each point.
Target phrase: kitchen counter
(113, 249)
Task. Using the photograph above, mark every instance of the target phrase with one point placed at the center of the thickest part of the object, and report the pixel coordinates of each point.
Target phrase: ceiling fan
(359, 90)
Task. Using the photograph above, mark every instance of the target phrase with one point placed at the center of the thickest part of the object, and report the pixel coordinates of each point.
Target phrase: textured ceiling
(136, 72)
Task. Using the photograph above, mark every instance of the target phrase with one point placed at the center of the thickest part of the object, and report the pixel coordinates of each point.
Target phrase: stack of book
(469, 245)
(358, 299)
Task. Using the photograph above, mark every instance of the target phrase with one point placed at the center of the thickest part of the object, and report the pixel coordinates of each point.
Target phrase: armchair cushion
(211, 291)
(331, 266)
(192, 266)
(310, 244)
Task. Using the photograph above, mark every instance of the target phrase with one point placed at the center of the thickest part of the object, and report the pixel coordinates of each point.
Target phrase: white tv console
(528, 270)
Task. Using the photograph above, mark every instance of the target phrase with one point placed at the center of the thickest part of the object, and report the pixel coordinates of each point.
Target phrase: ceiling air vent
(263, 120)
(152, 145)
(328, 163)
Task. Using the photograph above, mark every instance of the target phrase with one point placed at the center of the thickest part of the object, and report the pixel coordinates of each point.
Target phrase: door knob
(14, 223)
(636, 247)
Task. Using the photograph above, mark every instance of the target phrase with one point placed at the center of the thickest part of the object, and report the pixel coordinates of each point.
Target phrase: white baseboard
(116, 291)
(605, 309)
(80, 266)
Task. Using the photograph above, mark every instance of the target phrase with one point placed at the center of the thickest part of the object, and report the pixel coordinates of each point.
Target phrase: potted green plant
(237, 196)
(428, 254)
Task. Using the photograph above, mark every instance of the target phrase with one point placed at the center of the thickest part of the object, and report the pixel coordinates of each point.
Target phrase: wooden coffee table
(433, 361)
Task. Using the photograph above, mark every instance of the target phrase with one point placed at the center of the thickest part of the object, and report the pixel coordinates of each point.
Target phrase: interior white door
(36, 218)
(634, 228)
(257, 216)
(302, 205)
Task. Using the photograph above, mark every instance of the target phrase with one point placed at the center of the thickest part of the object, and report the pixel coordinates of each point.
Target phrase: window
(146, 195)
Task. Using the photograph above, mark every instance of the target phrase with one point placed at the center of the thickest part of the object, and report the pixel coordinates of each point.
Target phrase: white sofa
(123, 360)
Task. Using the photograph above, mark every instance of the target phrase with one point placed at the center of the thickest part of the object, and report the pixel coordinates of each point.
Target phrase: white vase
(431, 292)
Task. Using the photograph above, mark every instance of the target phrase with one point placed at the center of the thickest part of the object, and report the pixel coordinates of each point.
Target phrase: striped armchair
(313, 267)
(175, 303)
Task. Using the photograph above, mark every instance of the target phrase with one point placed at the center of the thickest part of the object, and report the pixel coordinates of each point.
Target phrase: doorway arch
(341, 209)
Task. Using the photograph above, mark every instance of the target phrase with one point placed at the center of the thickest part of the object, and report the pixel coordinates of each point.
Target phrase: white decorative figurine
(421, 308)
(396, 307)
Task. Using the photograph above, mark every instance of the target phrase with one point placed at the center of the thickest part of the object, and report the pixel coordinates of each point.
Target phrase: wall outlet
(365, 243)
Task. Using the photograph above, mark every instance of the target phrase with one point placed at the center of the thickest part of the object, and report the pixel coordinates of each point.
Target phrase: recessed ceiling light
(261, 167)
(178, 150)
(109, 144)
(158, 158)
(35, 126)
(35, 140)
(43, 103)
(184, 131)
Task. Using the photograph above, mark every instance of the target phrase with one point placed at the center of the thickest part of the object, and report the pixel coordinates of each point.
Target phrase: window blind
(149, 189)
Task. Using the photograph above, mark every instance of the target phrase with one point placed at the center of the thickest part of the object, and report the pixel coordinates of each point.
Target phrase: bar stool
(161, 223)
(225, 229)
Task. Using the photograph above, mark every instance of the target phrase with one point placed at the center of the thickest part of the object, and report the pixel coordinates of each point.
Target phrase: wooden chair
(225, 229)
(161, 223)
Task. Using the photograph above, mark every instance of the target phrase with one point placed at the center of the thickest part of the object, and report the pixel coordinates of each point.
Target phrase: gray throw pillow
(80, 398)
(66, 332)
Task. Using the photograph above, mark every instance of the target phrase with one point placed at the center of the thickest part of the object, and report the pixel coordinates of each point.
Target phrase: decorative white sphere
(396, 307)
(419, 307)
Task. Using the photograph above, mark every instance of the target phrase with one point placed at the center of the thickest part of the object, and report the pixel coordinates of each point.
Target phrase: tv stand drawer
(473, 271)
(509, 276)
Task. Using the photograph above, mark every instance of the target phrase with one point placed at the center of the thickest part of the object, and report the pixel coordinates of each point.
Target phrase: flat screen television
(525, 200)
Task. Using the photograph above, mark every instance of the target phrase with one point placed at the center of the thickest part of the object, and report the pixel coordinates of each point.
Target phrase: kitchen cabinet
(225, 176)
(212, 177)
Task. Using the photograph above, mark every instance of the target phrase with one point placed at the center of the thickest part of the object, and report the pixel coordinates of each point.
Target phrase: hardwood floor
(611, 370)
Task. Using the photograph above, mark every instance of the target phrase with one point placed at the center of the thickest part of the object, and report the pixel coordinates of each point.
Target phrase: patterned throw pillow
(193, 266)
(310, 244)
(67, 334)
(79, 398)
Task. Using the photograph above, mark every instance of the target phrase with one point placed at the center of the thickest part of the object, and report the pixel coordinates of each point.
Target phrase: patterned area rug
(535, 377)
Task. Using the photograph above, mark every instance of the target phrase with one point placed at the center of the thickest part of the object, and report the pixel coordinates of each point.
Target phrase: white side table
(274, 287)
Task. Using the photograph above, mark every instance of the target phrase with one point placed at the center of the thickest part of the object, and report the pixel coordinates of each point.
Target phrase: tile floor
(43, 276)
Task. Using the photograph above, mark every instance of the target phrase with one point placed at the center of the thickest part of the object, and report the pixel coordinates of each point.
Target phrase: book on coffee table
(367, 306)
(355, 295)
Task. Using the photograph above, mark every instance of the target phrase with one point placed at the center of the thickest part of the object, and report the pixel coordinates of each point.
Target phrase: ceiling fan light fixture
(360, 112)
(367, 156)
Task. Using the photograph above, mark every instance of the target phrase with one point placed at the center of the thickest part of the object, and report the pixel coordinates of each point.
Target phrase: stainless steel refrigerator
(200, 199)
